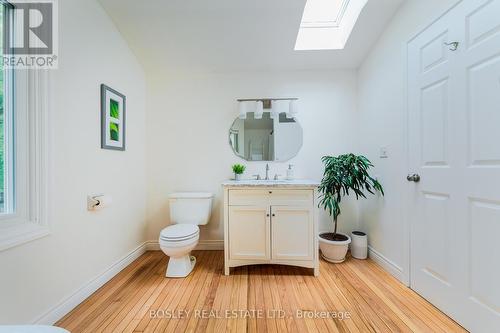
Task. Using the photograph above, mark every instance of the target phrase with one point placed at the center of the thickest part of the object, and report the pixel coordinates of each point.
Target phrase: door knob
(413, 178)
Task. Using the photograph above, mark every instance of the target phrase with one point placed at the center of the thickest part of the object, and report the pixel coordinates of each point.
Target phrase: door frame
(406, 274)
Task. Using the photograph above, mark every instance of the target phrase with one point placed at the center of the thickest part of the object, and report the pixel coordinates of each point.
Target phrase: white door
(292, 233)
(249, 232)
(454, 145)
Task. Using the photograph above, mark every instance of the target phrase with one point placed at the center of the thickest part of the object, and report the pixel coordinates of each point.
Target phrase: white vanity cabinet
(270, 224)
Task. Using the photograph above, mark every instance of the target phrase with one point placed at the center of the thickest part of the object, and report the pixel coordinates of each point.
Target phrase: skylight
(327, 24)
(321, 13)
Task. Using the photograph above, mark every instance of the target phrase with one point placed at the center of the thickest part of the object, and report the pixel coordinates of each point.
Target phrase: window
(7, 139)
(321, 13)
(23, 138)
(5, 150)
(327, 24)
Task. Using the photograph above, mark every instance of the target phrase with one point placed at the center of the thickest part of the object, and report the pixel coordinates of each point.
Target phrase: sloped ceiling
(235, 35)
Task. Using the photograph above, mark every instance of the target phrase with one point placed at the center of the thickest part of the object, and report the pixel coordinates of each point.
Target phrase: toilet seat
(179, 232)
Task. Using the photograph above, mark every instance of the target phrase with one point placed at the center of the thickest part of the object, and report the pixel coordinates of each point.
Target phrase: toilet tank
(190, 207)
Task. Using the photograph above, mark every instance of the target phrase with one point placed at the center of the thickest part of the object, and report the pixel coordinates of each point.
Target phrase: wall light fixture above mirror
(274, 105)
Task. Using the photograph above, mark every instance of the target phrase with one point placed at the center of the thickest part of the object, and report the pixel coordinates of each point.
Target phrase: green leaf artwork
(114, 109)
(113, 116)
(114, 131)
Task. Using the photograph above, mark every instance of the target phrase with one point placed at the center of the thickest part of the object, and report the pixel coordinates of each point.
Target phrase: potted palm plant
(343, 175)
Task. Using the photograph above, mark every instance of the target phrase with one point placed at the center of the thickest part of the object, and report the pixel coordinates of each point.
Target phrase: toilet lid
(179, 231)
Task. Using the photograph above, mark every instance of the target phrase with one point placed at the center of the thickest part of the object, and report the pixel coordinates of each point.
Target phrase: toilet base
(180, 267)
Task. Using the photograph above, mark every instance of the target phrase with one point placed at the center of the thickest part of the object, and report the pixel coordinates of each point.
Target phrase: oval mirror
(266, 139)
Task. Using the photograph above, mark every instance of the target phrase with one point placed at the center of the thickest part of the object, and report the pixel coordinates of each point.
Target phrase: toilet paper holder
(95, 202)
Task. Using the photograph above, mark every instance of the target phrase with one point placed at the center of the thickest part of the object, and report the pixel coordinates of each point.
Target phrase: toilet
(188, 210)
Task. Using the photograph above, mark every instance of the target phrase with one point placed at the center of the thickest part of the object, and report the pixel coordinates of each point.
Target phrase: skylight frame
(327, 24)
(327, 35)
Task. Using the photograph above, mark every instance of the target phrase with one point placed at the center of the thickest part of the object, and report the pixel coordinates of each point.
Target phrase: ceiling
(236, 35)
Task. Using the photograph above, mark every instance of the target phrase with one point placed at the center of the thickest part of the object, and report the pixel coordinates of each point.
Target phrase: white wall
(188, 121)
(37, 276)
(382, 120)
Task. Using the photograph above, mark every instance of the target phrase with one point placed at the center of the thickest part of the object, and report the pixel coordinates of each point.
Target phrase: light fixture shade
(277, 108)
(259, 110)
(242, 109)
(275, 114)
(293, 109)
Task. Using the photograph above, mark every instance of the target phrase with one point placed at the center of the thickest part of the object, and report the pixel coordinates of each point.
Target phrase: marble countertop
(271, 183)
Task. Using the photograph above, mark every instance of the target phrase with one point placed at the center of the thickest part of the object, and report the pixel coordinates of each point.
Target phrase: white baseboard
(152, 245)
(206, 245)
(211, 245)
(387, 264)
(65, 306)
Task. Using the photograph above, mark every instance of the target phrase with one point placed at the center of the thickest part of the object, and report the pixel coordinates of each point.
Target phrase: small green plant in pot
(344, 174)
(238, 170)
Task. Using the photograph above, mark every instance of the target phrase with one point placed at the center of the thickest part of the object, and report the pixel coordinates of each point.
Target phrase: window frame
(27, 105)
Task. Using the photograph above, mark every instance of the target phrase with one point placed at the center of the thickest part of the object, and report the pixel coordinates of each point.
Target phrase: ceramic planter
(333, 250)
(237, 177)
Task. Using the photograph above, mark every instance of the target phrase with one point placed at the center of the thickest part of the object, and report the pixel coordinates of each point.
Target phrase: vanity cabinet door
(292, 233)
(249, 232)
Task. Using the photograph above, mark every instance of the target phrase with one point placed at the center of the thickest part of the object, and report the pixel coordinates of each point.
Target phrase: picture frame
(113, 119)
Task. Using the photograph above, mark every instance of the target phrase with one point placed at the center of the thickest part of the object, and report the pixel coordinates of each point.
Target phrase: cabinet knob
(267, 215)
(270, 192)
(274, 215)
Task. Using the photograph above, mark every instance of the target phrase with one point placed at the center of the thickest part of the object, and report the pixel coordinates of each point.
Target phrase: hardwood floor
(141, 299)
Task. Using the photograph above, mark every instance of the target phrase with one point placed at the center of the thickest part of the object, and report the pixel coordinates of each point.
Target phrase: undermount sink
(271, 182)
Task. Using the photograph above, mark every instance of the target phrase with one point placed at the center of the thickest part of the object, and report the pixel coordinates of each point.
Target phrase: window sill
(21, 234)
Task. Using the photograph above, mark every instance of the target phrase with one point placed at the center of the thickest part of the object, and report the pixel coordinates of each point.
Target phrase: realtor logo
(30, 34)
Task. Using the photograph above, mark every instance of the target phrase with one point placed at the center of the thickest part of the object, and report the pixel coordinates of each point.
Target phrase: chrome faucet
(267, 171)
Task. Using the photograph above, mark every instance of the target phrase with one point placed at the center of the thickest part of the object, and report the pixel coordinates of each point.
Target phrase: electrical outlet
(383, 152)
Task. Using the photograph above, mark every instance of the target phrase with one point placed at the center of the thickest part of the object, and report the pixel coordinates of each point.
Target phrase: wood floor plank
(149, 322)
(361, 308)
(217, 320)
(110, 307)
(341, 304)
(288, 274)
(209, 301)
(276, 306)
(375, 301)
(242, 299)
(130, 316)
(414, 320)
(416, 301)
(133, 304)
(280, 287)
(191, 291)
(252, 321)
(72, 319)
(164, 323)
(188, 324)
(271, 323)
(385, 313)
